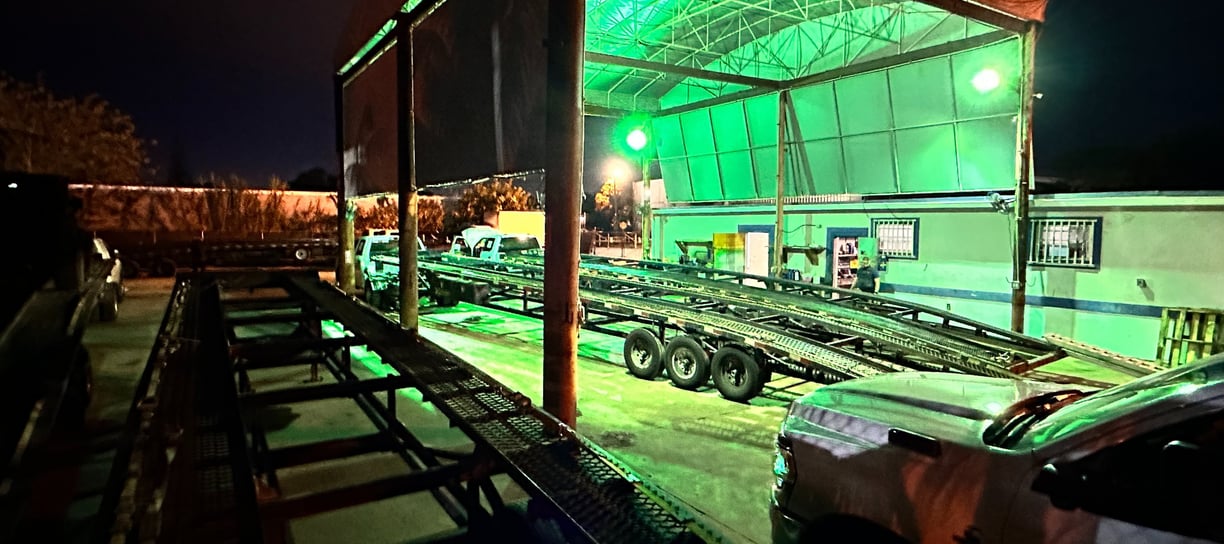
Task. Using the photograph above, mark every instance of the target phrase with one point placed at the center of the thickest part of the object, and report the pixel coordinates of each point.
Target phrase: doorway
(843, 244)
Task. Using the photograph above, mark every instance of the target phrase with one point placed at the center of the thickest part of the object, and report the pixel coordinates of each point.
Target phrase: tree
(315, 179)
(492, 197)
(612, 205)
(83, 139)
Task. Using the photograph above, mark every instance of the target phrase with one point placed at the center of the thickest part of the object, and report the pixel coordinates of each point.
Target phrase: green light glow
(378, 36)
(986, 80)
(636, 139)
(994, 408)
(373, 363)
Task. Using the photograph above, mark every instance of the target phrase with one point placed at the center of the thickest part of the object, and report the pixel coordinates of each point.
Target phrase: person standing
(867, 278)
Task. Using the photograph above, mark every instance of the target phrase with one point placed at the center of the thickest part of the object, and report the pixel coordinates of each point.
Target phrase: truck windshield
(384, 248)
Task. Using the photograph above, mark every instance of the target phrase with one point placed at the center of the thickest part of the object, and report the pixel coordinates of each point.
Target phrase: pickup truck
(53, 285)
(377, 267)
(496, 247)
(941, 457)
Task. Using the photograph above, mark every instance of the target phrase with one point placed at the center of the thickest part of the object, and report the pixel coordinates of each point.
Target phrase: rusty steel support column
(563, 199)
(647, 210)
(1024, 167)
(344, 206)
(408, 295)
(780, 195)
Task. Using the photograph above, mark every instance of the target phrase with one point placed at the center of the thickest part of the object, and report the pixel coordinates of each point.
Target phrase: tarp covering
(1029, 10)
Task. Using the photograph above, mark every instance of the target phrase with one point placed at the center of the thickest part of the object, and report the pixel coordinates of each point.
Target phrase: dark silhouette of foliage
(84, 139)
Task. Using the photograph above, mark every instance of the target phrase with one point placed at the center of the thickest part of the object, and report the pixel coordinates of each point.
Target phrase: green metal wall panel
(706, 180)
(698, 135)
(730, 128)
(828, 172)
(762, 119)
(922, 93)
(816, 111)
(926, 159)
(676, 179)
(739, 182)
(862, 103)
(869, 164)
(987, 153)
(669, 141)
(765, 164)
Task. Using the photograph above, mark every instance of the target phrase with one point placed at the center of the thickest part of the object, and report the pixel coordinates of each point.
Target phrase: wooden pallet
(1189, 334)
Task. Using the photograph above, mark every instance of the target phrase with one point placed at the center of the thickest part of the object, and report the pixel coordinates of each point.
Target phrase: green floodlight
(637, 139)
(631, 136)
(986, 80)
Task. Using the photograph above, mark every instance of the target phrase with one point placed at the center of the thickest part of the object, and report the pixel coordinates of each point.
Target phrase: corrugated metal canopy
(651, 55)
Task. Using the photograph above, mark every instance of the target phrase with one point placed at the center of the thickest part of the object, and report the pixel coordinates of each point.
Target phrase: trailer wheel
(643, 354)
(166, 267)
(687, 364)
(737, 375)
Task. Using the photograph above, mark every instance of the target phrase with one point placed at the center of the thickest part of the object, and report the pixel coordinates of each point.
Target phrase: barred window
(896, 238)
(1065, 242)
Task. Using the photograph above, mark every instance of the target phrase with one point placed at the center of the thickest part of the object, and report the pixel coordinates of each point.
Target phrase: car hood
(945, 406)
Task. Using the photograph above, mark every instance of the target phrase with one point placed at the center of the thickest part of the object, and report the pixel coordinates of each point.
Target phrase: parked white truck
(939, 457)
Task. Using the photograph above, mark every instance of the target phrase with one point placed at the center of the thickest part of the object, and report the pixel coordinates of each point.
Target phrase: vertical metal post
(407, 179)
(780, 194)
(647, 209)
(1025, 169)
(563, 199)
(345, 208)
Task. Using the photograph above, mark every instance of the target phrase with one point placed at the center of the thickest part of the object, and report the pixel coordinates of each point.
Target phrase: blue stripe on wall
(1122, 308)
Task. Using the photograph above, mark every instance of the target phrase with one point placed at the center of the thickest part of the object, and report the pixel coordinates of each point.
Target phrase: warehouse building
(905, 129)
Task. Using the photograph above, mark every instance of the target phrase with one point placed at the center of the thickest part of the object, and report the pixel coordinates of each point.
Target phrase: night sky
(245, 86)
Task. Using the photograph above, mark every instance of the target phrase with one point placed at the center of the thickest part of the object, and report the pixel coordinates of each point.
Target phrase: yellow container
(728, 240)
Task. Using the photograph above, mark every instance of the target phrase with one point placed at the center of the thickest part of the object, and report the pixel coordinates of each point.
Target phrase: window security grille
(896, 238)
(1064, 242)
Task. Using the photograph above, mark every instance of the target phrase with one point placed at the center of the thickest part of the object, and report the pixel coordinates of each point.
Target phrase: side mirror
(1063, 485)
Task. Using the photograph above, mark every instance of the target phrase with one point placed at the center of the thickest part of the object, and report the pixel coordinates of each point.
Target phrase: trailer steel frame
(195, 399)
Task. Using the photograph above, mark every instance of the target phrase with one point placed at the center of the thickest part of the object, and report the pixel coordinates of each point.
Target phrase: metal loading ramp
(778, 321)
(220, 484)
(834, 362)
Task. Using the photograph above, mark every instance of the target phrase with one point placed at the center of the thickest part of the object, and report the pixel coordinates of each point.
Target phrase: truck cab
(464, 243)
(499, 246)
(376, 244)
(942, 457)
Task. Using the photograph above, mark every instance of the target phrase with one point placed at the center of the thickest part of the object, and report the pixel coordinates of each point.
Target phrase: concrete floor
(714, 455)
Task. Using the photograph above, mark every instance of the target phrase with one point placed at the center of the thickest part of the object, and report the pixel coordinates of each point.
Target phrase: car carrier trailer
(694, 325)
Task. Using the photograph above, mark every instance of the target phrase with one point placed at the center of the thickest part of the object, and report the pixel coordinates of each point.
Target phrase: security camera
(1000, 204)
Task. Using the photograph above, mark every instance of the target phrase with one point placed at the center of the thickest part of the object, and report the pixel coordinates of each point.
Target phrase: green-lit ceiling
(886, 94)
(631, 44)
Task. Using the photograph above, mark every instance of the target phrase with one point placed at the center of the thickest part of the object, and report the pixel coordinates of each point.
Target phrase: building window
(896, 238)
(1065, 242)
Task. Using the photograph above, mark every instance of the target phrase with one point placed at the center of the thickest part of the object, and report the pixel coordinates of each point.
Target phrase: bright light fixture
(636, 139)
(13, 185)
(986, 80)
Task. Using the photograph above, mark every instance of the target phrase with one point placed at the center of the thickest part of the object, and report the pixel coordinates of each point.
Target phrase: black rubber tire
(165, 267)
(737, 375)
(373, 298)
(643, 354)
(108, 304)
(688, 366)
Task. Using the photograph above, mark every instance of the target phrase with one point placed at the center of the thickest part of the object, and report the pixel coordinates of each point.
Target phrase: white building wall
(964, 258)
